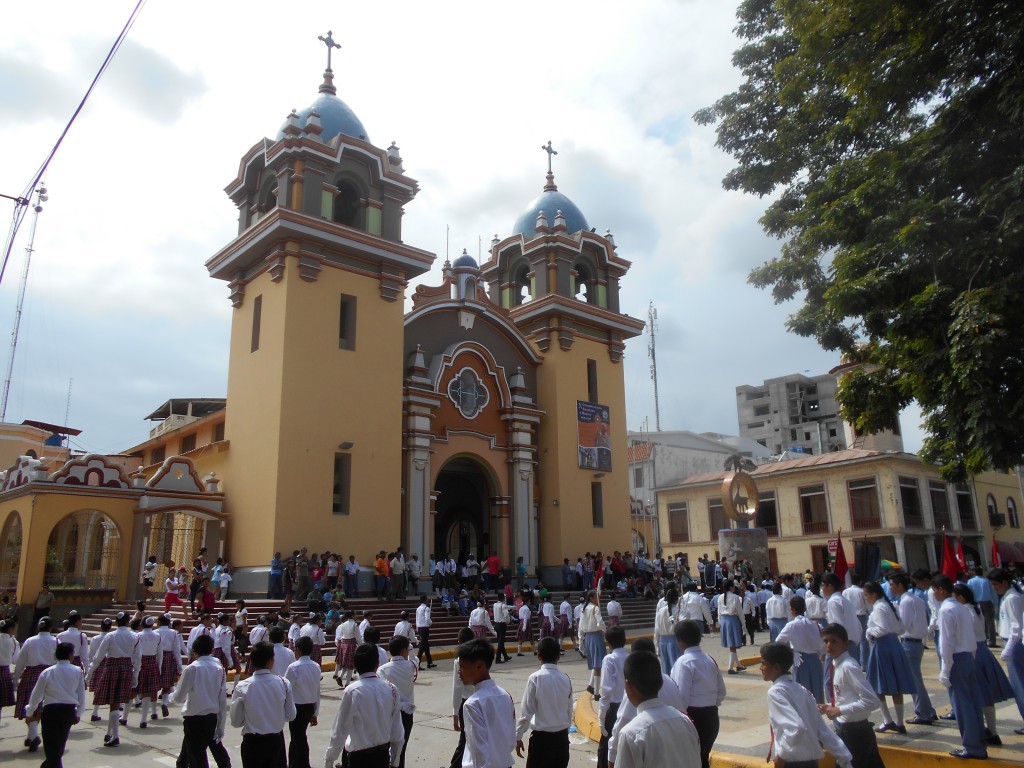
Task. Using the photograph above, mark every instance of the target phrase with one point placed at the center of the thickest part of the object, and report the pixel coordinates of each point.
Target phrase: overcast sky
(121, 311)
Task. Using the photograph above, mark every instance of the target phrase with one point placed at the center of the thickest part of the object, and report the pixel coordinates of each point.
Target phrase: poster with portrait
(594, 437)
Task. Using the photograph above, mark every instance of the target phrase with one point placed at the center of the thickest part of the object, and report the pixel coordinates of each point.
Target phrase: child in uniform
(803, 636)
(489, 717)
(613, 689)
(402, 672)
(304, 676)
(849, 699)
(546, 708)
(797, 728)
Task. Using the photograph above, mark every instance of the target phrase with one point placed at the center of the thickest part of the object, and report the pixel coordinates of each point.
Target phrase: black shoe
(431, 666)
(95, 718)
(1019, 731)
(164, 710)
(112, 743)
(142, 724)
(153, 716)
(125, 722)
(948, 716)
(590, 690)
(920, 721)
(498, 661)
(963, 754)
(520, 654)
(733, 672)
(992, 738)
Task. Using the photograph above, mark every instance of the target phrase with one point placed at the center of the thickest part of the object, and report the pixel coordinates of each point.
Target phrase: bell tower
(560, 282)
(316, 277)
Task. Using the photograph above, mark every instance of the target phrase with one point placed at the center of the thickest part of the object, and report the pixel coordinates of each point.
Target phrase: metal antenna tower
(40, 199)
(652, 327)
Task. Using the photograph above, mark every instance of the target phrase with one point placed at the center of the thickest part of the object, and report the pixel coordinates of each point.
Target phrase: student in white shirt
(202, 692)
(659, 736)
(803, 636)
(284, 657)
(524, 632)
(854, 595)
(888, 669)
(488, 716)
(480, 622)
(614, 610)
(591, 632)
(566, 631)
(701, 685)
(613, 689)
(730, 611)
(849, 699)
(346, 637)
(839, 611)
(9, 647)
(957, 669)
(665, 620)
(78, 639)
(798, 730)
(225, 582)
(151, 656)
(368, 726)
(423, 623)
(546, 707)
(304, 676)
(815, 605)
(60, 694)
(35, 656)
(501, 621)
(777, 612)
(401, 672)
(913, 613)
(120, 674)
(366, 622)
(460, 692)
(260, 706)
(315, 632)
(1010, 627)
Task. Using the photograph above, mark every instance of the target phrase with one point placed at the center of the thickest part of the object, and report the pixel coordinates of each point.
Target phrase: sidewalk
(744, 722)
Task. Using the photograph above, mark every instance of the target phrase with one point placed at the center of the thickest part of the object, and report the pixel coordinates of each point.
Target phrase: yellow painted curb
(585, 720)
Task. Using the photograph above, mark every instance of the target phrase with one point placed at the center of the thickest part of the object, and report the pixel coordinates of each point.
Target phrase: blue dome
(465, 260)
(551, 201)
(336, 117)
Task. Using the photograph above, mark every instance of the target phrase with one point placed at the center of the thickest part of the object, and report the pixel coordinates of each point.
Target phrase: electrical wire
(21, 205)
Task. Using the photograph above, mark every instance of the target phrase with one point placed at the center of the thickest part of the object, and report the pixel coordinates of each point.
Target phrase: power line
(21, 203)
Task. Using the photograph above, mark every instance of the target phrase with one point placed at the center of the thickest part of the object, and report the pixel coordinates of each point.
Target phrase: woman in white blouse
(730, 608)
(592, 639)
(888, 668)
(665, 621)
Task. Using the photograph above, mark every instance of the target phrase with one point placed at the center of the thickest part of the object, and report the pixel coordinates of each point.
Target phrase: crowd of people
(837, 652)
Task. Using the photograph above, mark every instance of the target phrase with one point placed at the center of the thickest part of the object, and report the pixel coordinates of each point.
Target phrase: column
(901, 548)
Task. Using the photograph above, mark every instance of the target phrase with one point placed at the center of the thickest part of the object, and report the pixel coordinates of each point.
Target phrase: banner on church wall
(593, 436)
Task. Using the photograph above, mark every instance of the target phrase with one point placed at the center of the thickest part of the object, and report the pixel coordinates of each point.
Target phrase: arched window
(347, 206)
(1011, 513)
(84, 551)
(990, 504)
(31, 454)
(10, 551)
(268, 195)
(521, 292)
(584, 284)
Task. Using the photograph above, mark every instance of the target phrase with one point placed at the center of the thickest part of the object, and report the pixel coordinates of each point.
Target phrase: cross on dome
(551, 151)
(329, 42)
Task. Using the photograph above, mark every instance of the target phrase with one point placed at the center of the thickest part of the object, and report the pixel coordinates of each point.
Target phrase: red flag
(960, 559)
(996, 562)
(841, 565)
(949, 566)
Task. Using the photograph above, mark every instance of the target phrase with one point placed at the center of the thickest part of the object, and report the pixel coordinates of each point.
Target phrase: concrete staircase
(636, 615)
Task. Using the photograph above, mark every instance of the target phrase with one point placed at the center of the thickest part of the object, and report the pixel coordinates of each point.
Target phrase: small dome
(465, 260)
(335, 115)
(550, 201)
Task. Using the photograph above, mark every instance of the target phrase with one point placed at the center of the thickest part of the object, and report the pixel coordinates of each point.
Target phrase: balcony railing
(815, 526)
(771, 530)
(864, 523)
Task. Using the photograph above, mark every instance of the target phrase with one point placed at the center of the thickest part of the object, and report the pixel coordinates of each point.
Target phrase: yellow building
(892, 499)
(490, 417)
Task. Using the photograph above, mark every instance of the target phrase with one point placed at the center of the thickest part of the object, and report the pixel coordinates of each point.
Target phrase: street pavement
(744, 722)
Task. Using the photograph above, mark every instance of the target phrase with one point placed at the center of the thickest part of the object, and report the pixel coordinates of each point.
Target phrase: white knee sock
(113, 723)
(33, 730)
(886, 717)
(145, 710)
(95, 710)
(734, 660)
(990, 718)
(163, 698)
(899, 712)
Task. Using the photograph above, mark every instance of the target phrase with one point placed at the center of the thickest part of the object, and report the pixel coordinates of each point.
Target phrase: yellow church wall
(41, 512)
(17, 440)
(326, 396)
(566, 529)
(1004, 488)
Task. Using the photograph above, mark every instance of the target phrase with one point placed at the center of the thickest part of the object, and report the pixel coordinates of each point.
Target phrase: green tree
(889, 137)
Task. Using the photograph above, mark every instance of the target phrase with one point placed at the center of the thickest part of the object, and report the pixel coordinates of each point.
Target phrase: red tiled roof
(836, 457)
(639, 451)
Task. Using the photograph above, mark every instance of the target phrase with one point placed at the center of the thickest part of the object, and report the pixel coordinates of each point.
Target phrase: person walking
(423, 623)
(202, 692)
(260, 706)
(58, 701)
(304, 676)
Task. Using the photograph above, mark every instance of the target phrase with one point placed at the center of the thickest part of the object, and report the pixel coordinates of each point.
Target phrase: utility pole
(652, 327)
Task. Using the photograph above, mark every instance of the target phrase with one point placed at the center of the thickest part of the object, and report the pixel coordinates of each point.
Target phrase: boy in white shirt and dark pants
(849, 698)
(260, 706)
(488, 716)
(304, 676)
(547, 709)
(202, 690)
(613, 689)
(60, 691)
(401, 672)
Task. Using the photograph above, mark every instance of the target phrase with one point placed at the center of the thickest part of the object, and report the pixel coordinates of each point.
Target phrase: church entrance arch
(464, 489)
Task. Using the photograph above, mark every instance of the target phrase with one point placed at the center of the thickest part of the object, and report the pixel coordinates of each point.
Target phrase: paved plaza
(744, 722)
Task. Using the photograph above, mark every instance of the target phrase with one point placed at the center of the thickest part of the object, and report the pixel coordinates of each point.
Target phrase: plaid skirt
(248, 665)
(28, 681)
(317, 656)
(612, 621)
(168, 670)
(6, 687)
(149, 677)
(523, 633)
(218, 654)
(479, 631)
(347, 654)
(98, 675)
(77, 661)
(115, 686)
(565, 628)
(545, 627)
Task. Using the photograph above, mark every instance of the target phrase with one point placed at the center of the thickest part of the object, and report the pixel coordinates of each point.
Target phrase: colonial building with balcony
(890, 498)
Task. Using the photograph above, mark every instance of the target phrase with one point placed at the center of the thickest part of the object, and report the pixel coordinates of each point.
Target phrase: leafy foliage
(889, 135)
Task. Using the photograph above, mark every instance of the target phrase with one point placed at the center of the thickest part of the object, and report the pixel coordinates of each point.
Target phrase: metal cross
(547, 148)
(329, 42)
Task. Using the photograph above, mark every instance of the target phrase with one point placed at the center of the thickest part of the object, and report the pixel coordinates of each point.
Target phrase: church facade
(488, 417)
